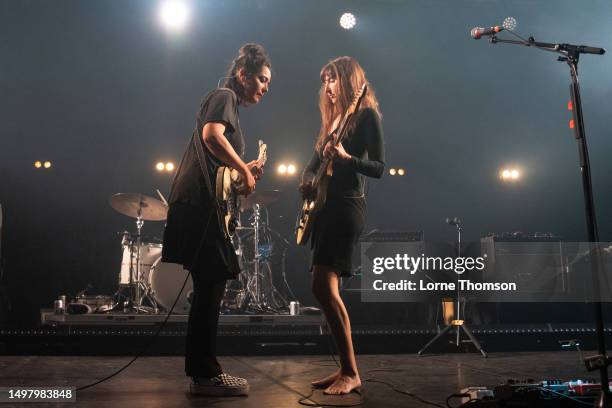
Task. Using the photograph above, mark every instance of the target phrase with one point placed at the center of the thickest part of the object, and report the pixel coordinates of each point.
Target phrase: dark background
(102, 90)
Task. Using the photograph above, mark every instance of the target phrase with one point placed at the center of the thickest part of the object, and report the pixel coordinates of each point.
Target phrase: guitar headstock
(262, 156)
(357, 99)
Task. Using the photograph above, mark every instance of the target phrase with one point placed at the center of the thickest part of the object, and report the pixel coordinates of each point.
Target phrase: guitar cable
(146, 347)
(155, 336)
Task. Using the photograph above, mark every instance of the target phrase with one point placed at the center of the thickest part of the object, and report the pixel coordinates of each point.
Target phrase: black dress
(194, 239)
(337, 228)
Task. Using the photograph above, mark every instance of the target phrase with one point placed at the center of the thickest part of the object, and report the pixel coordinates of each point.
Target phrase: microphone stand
(457, 322)
(571, 54)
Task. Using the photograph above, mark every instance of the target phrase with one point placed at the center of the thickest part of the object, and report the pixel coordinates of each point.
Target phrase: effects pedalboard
(529, 393)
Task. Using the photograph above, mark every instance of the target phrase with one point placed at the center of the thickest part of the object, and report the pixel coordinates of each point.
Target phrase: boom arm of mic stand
(565, 49)
(540, 45)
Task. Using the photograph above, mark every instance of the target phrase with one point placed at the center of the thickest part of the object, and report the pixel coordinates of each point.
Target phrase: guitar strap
(202, 161)
(201, 155)
(228, 252)
(197, 142)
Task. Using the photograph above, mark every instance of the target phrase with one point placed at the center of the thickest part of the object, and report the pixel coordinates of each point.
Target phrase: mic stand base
(460, 325)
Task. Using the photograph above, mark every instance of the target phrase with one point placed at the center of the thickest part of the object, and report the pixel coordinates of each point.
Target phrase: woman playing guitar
(193, 236)
(338, 225)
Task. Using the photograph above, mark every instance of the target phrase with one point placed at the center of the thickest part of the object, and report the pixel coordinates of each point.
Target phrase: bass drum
(149, 253)
(165, 280)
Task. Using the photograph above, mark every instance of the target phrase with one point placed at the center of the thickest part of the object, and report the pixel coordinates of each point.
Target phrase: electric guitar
(229, 182)
(311, 207)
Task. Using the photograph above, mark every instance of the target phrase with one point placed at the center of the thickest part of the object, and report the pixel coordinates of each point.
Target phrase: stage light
(173, 14)
(509, 24)
(347, 21)
(160, 166)
(47, 164)
(392, 171)
(291, 169)
(169, 166)
(400, 172)
(282, 169)
(510, 174)
(37, 164)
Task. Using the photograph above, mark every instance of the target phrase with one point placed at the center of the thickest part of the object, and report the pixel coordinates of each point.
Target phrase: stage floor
(281, 381)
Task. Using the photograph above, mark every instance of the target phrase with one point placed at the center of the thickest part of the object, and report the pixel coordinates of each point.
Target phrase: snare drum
(149, 253)
(165, 281)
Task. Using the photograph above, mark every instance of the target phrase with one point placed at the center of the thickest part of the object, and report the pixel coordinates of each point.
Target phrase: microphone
(478, 32)
(455, 221)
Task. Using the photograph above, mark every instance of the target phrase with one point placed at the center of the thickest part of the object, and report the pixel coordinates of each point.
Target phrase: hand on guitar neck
(253, 172)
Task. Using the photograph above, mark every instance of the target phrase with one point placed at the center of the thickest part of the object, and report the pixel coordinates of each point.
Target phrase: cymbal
(263, 198)
(131, 204)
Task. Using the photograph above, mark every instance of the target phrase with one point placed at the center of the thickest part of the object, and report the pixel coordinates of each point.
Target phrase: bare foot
(344, 384)
(327, 381)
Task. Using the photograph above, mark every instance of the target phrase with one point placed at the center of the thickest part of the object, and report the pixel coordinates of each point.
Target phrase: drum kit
(148, 285)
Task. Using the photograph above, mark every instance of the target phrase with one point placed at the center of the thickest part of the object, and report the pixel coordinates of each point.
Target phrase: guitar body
(227, 181)
(308, 213)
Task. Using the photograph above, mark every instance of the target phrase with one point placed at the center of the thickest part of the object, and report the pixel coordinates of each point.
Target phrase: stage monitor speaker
(376, 235)
(531, 260)
(535, 259)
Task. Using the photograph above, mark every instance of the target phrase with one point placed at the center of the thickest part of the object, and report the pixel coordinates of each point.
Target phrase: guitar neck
(263, 154)
(320, 172)
(341, 129)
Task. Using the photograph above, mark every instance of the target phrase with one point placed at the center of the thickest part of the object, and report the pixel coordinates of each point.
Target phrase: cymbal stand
(253, 298)
(142, 287)
(258, 294)
(139, 224)
(277, 300)
(138, 290)
(257, 255)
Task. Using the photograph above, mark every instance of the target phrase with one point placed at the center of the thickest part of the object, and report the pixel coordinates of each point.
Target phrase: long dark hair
(252, 58)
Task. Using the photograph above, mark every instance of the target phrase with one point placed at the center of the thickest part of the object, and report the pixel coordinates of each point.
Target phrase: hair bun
(251, 58)
(251, 49)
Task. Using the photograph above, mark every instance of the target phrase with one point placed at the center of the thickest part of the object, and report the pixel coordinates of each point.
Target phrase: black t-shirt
(220, 105)
(365, 143)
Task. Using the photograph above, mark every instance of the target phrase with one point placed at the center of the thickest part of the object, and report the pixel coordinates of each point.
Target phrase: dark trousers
(201, 343)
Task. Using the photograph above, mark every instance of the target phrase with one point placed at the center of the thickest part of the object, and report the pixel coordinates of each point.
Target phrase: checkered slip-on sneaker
(223, 385)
